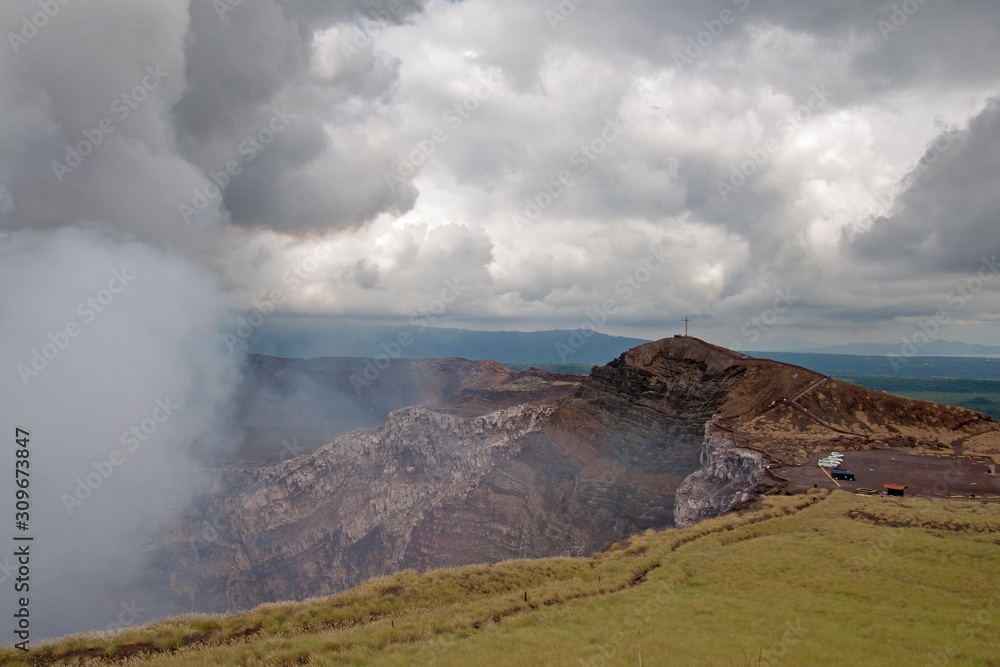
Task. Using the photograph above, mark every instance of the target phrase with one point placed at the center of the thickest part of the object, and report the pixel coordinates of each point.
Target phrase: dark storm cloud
(324, 171)
(949, 215)
(160, 96)
(364, 274)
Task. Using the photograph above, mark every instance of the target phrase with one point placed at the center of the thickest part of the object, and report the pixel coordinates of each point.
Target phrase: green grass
(979, 395)
(817, 579)
(986, 403)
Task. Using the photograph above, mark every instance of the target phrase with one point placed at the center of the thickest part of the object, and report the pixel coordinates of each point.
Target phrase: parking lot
(936, 476)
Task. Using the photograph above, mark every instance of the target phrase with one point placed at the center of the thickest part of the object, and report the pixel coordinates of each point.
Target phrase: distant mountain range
(936, 348)
(305, 337)
(858, 365)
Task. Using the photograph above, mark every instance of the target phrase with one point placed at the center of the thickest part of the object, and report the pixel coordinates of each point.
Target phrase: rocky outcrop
(345, 513)
(443, 486)
(289, 407)
(729, 475)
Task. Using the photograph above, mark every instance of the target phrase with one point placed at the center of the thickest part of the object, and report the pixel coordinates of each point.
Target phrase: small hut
(893, 489)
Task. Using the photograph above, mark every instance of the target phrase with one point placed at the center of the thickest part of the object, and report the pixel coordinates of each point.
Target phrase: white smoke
(115, 115)
(113, 363)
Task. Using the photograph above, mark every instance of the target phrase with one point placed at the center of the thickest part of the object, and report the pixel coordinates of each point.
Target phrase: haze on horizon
(763, 149)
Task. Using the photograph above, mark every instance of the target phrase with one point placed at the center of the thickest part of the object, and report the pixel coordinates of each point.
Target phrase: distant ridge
(857, 365)
(304, 337)
(936, 348)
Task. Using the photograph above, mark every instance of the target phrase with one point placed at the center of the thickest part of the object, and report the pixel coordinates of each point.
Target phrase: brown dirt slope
(788, 412)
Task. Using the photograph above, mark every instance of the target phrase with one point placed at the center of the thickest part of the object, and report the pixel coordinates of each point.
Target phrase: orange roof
(894, 487)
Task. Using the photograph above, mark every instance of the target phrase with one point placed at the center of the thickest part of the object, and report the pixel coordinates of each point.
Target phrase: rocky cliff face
(289, 407)
(729, 475)
(525, 465)
(345, 513)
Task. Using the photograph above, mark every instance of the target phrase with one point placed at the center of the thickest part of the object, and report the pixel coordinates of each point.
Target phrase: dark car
(840, 473)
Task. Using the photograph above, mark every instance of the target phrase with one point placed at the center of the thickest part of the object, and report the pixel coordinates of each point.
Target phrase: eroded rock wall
(729, 475)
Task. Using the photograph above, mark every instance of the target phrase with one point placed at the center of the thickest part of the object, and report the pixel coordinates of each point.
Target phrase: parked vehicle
(840, 473)
(832, 461)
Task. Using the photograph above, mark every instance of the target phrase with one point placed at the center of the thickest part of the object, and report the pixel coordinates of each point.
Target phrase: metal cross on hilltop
(686, 320)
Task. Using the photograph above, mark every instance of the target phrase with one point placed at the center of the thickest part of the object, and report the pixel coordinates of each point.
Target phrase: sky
(174, 173)
(767, 151)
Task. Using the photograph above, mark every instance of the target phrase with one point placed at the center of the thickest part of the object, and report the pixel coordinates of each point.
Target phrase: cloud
(946, 218)
(150, 144)
(844, 108)
(365, 274)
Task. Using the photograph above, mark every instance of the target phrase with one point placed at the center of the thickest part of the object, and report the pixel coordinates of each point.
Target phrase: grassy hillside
(853, 366)
(979, 395)
(817, 579)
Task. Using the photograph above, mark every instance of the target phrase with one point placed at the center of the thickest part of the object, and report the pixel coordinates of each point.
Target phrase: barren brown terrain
(497, 464)
(928, 475)
(788, 412)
